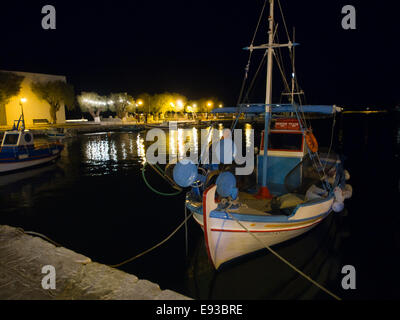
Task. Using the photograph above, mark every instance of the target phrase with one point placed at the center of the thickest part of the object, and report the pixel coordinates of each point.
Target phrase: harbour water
(95, 202)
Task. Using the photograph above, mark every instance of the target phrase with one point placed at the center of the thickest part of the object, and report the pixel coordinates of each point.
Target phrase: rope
(283, 259)
(187, 217)
(155, 246)
(250, 54)
(186, 232)
(42, 236)
(284, 21)
(154, 190)
(330, 145)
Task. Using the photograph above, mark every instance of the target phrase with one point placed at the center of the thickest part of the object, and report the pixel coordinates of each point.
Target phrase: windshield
(11, 139)
(285, 141)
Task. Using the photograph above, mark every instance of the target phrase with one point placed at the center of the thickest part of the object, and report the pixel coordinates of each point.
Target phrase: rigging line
(282, 72)
(283, 259)
(259, 21)
(153, 247)
(255, 76)
(279, 57)
(186, 230)
(251, 53)
(312, 155)
(284, 21)
(330, 145)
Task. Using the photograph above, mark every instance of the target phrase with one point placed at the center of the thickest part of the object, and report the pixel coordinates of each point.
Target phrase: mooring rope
(187, 217)
(283, 259)
(32, 233)
(155, 246)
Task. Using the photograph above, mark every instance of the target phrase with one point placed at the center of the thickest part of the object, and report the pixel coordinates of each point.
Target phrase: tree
(167, 102)
(10, 85)
(55, 93)
(93, 103)
(121, 103)
(144, 101)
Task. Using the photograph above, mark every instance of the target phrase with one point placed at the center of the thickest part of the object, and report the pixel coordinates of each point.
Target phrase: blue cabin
(286, 149)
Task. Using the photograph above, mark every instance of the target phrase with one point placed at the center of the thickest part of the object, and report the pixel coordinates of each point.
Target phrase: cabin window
(285, 141)
(28, 138)
(11, 138)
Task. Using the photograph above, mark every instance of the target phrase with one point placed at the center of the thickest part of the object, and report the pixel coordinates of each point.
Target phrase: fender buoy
(311, 141)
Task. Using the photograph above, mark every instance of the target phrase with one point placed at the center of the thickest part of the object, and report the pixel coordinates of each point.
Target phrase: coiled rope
(154, 190)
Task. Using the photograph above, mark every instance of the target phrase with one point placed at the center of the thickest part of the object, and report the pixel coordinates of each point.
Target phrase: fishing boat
(296, 186)
(57, 133)
(18, 150)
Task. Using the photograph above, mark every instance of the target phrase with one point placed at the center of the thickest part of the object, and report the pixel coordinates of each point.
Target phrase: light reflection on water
(111, 148)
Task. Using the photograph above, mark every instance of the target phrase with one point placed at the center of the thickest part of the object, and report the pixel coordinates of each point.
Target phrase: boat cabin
(286, 149)
(17, 138)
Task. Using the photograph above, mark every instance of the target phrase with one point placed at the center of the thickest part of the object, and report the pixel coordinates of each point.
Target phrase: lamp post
(21, 102)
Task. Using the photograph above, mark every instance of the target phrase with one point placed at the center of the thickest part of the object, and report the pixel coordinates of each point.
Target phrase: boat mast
(264, 192)
(268, 96)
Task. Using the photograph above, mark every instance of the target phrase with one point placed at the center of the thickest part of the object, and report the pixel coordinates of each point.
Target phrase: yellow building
(35, 110)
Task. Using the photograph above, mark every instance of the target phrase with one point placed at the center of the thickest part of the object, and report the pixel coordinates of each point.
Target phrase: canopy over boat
(277, 108)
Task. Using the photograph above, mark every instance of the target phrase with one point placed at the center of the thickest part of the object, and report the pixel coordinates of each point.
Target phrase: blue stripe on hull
(11, 155)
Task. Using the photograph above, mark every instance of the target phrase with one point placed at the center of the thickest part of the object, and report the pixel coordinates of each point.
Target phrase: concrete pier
(77, 277)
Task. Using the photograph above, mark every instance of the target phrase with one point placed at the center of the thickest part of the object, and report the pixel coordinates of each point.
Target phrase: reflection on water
(188, 142)
(140, 148)
(99, 148)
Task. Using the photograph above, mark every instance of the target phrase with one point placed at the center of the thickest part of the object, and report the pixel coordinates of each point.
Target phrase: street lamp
(21, 102)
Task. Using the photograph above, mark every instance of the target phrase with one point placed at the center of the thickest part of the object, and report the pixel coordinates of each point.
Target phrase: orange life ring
(311, 141)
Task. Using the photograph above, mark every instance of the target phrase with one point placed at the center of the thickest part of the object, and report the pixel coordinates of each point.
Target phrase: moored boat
(296, 187)
(18, 150)
(292, 188)
(56, 133)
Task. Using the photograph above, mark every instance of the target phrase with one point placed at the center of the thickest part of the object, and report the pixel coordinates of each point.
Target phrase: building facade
(35, 110)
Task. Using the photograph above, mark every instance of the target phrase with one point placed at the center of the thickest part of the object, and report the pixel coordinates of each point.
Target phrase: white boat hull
(12, 166)
(226, 239)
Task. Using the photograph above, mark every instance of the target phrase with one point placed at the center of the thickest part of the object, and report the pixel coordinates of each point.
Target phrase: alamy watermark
(214, 148)
(49, 20)
(49, 280)
(349, 280)
(349, 20)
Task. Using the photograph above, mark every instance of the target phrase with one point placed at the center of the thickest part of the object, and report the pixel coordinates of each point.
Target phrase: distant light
(220, 106)
(209, 103)
(23, 100)
(292, 74)
(179, 103)
(140, 102)
(195, 105)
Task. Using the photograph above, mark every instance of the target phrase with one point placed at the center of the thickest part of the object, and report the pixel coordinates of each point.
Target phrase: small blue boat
(18, 150)
(56, 133)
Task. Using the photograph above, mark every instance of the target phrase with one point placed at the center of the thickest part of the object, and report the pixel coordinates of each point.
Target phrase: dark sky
(195, 47)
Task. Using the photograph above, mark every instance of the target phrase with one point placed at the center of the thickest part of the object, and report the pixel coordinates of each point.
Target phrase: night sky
(195, 47)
